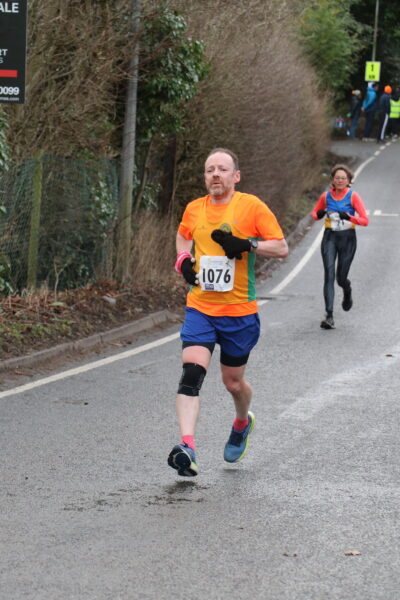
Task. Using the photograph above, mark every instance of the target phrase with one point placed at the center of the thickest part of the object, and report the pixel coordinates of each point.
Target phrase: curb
(163, 316)
(118, 333)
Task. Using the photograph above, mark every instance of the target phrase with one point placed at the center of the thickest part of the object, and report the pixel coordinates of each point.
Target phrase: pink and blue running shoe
(183, 458)
(236, 446)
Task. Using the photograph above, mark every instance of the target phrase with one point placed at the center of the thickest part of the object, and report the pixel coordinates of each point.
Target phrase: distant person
(394, 115)
(368, 109)
(225, 229)
(339, 207)
(355, 112)
(384, 112)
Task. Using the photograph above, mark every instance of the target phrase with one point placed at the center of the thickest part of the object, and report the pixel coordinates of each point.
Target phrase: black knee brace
(192, 379)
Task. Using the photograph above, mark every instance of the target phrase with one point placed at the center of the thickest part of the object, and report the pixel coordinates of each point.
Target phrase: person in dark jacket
(368, 108)
(384, 112)
(355, 112)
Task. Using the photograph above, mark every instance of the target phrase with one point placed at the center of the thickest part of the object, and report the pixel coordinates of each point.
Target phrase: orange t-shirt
(246, 216)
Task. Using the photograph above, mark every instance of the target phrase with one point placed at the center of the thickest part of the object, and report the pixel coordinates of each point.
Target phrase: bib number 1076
(217, 273)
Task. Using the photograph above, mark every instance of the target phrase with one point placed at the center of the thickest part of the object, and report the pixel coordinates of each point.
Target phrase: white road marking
(379, 213)
(299, 265)
(109, 360)
(346, 384)
(89, 367)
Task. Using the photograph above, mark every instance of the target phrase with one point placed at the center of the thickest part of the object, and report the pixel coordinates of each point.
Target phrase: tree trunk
(124, 227)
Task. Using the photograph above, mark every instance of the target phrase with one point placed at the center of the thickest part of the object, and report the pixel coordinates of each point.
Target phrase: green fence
(57, 226)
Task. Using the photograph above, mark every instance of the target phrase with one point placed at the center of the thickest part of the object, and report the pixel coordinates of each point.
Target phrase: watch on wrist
(253, 245)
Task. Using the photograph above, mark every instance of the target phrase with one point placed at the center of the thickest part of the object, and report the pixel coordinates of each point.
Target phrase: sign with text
(13, 19)
(372, 71)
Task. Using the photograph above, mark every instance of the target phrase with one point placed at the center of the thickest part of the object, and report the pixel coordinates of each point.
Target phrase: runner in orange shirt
(225, 228)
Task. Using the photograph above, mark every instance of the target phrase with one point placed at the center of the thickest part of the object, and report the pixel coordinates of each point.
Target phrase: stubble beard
(217, 192)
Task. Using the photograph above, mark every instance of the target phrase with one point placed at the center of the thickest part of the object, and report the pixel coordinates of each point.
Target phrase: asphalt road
(90, 510)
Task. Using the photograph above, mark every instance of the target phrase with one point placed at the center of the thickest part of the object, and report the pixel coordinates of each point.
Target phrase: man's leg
(235, 383)
(196, 360)
(241, 391)
(353, 127)
(384, 127)
(188, 407)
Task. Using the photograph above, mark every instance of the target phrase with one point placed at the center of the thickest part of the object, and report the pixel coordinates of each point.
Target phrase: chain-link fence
(56, 222)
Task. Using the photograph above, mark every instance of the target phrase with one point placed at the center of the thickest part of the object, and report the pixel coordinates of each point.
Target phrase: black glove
(321, 213)
(188, 272)
(232, 245)
(344, 216)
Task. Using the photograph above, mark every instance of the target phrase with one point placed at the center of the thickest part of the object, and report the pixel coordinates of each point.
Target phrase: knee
(234, 385)
(330, 277)
(192, 379)
(342, 281)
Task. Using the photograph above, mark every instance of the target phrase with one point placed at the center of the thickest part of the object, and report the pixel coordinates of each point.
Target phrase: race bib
(338, 224)
(217, 273)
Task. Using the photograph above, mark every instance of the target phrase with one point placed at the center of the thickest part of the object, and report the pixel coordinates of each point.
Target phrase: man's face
(220, 175)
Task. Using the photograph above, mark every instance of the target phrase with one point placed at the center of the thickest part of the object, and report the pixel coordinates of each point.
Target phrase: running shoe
(328, 323)
(347, 299)
(183, 459)
(236, 446)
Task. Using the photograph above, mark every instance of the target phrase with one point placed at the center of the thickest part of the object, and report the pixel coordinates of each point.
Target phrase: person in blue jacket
(369, 107)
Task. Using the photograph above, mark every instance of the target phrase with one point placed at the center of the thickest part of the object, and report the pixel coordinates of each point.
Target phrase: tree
(171, 67)
(388, 39)
(164, 76)
(332, 40)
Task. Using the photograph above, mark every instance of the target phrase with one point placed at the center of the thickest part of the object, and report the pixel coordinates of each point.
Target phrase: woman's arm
(320, 205)
(361, 218)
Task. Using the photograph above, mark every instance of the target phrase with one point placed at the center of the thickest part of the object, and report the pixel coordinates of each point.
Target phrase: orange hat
(388, 89)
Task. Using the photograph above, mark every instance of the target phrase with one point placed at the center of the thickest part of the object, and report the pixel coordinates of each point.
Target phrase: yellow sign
(372, 71)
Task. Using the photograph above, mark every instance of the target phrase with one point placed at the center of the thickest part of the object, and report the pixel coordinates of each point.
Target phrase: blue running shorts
(236, 336)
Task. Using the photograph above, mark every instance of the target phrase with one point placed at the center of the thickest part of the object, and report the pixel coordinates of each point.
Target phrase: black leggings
(340, 244)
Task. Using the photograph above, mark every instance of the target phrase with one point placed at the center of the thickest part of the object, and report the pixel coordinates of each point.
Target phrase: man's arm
(182, 244)
(184, 260)
(272, 249)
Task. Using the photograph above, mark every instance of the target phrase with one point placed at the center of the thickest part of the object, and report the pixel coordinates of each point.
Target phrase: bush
(261, 99)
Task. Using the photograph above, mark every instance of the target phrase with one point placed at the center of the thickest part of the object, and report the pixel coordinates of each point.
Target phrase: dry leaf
(352, 552)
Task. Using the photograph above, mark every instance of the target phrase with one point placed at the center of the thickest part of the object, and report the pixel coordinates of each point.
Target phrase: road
(90, 510)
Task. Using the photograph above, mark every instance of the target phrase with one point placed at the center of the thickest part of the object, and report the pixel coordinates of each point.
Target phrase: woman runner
(343, 209)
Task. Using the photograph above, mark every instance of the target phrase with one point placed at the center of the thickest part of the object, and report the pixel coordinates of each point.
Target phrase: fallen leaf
(352, 552)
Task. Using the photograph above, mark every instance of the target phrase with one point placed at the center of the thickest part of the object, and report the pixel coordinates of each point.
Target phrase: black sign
(13, 16)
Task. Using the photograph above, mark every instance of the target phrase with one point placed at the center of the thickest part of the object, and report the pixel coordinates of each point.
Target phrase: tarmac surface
(91, 511)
